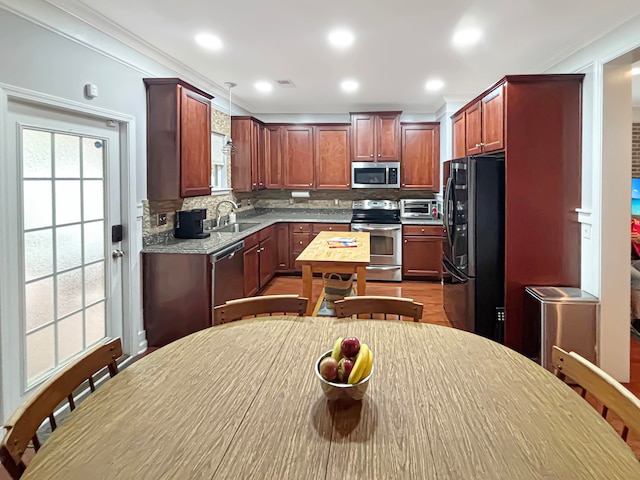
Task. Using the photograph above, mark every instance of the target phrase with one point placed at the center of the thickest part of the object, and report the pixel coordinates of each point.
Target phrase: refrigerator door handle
(447, 211)
(453, 271)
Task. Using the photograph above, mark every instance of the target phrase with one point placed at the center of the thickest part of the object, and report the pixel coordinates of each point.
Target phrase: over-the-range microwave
(375, 174)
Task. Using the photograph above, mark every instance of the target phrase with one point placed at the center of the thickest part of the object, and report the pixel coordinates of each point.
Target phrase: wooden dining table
(241, 401)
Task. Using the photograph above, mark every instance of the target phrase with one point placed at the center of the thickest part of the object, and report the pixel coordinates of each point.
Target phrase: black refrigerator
(474, 246)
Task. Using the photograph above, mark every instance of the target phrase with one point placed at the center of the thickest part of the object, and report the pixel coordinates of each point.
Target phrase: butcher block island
(320, 257)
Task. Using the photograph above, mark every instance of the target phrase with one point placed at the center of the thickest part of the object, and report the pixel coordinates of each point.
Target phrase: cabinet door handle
(300, 242)
(330, 228)
(477, 145)
(310, 184)
(406, 241)
(422, 230)
(404, 184)
(379, 154)
(371, 155)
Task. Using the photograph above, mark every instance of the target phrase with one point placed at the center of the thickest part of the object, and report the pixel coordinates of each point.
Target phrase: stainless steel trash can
(561, 316)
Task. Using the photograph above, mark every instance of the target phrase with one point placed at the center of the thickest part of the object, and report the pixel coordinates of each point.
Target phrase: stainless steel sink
(235, 227)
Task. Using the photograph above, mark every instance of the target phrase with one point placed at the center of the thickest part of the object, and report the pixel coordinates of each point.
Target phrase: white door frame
(133, 341)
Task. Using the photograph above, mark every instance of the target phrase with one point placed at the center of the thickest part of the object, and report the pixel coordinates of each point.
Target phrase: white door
(67, 283)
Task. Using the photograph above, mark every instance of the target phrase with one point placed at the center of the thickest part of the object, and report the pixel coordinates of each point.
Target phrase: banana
(367, 370)
(362, 360)
(336, 350)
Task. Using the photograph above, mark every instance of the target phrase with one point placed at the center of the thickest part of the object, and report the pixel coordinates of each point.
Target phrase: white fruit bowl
(342, 391)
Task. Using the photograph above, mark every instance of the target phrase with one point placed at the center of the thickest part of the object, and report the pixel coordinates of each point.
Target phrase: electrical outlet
(336, 202)
(161, 219)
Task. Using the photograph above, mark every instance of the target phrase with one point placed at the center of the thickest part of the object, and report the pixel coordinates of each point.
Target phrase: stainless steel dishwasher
(227, 274)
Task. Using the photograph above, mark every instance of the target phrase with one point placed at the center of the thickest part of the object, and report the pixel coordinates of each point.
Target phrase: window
(218, 163)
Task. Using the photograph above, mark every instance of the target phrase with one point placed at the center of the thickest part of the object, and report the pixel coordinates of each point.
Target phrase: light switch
(586, 231)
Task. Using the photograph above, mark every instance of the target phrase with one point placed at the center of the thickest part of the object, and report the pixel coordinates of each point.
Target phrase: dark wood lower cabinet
(422, 257)
(267, 260)
(176, 296)
(283, 242)
(251, 270)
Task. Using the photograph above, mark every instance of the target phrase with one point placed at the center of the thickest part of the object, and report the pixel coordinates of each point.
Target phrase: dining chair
(369, 305)
(22, 427)
(601, 385)
(254, 306)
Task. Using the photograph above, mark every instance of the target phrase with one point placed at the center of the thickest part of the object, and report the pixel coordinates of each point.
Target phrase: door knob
(117, 253)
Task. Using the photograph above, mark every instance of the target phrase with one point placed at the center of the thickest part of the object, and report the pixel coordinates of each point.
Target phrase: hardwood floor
(429, 294)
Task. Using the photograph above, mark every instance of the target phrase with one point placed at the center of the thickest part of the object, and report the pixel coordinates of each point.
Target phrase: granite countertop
(220, 240)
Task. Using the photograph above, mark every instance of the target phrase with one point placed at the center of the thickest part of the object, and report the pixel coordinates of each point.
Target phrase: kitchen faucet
(218, 216)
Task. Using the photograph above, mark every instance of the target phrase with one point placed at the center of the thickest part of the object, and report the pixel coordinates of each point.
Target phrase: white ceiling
(398, 45)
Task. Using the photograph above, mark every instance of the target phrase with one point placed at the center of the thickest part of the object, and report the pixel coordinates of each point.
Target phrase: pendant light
(229, 148)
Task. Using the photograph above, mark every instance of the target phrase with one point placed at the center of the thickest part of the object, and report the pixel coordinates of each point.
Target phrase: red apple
(345, 366)
(328, 368)
(350, 347)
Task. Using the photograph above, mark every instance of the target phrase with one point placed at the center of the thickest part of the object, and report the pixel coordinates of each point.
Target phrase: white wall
(606, 185)
(636, 114)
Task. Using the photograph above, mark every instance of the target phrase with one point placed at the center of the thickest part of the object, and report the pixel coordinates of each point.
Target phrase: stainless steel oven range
(381, 219)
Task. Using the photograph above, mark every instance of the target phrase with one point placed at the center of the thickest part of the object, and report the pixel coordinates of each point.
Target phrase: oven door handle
(376, 229)
(383, 267)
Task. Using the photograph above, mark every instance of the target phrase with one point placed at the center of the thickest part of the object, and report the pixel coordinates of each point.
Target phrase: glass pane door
(64, 245)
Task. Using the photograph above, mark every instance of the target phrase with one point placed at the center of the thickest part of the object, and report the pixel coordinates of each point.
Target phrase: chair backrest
(254, 306)
(601, 385)
(23, 425)
(401, 307)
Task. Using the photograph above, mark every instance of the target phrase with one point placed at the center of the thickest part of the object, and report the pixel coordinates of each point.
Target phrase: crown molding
(76, 22)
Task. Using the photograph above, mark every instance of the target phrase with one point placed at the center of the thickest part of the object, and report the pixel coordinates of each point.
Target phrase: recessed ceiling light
(467, 37)
(263, 86)
(434, 84)
(635, 71)
(208, 41)
(349, 85)
(341, 38)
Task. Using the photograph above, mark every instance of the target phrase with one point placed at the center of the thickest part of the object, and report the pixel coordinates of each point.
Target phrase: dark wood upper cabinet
(333, 165)
(459, 135)
(261, 157)
(273, 157)
(242, 162)
(248, 164)
(484, 127)
(493, 120)
(363, 137)
(473, 129)
(420, 166)
(297, 156)
(375, 136)
(178, 139)
(388, 137)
